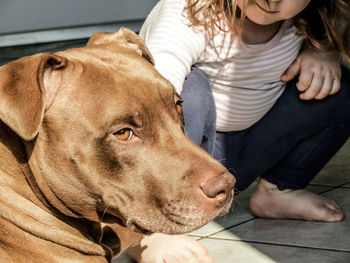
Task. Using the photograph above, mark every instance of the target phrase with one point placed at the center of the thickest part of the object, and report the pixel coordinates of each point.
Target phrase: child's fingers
(335, 87)
(292, 71)
(314, 88)
(305, 80)
(188, 255)
(325, 88)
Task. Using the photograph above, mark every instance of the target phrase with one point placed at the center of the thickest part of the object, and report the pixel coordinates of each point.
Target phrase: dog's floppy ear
(123, 36)
(22, 92)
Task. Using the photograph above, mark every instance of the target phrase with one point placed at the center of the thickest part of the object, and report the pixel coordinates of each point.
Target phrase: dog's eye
(124, 134)
(178, 107)
(179, 110)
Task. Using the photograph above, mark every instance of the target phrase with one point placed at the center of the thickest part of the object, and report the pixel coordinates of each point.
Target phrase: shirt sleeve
(173, 43)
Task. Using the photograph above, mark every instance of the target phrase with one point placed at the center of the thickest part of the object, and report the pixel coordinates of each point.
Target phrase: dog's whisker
(122, 191)
(104, 212)
(236, 201)
(236, 190)
(232, 170)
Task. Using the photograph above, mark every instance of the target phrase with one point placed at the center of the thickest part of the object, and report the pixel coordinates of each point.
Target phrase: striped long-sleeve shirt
(245, 79)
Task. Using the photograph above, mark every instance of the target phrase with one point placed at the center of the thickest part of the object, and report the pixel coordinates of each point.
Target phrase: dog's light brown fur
(70, 190)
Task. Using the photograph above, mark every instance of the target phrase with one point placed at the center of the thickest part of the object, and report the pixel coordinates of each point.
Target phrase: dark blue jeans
(287, 147)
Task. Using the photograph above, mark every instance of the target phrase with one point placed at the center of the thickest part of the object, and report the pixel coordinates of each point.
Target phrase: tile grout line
(331, 188)
(227, 228)
(277, 244)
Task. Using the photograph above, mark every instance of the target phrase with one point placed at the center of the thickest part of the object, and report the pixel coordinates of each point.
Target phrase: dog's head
(104, 138)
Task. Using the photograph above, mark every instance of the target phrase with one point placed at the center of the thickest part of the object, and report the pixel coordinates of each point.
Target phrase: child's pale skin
(319, 76)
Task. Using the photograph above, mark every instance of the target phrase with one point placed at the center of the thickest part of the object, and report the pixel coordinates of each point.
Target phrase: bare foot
(161, 248)
(269, 202)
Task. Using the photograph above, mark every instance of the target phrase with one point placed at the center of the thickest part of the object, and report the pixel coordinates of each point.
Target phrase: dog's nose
(219, 187)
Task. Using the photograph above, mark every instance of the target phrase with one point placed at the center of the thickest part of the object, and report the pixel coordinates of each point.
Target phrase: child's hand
(320, 74)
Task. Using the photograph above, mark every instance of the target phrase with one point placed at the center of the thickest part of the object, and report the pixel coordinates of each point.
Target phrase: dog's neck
(15, 168)
(24, 206)
(13, 161)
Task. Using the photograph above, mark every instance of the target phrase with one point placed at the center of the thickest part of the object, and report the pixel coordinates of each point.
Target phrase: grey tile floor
(239, 236)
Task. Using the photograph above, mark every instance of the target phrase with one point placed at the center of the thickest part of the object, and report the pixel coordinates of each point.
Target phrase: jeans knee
(196, 82)
(196, 92)
(198, 107)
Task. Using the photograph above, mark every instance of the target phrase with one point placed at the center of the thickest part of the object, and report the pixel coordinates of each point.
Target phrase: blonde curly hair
(325, 23)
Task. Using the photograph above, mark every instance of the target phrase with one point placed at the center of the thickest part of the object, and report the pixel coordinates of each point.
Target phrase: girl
(264, 92)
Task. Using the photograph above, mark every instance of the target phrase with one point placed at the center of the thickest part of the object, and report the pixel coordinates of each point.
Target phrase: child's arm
(173, 43)
(319, 73)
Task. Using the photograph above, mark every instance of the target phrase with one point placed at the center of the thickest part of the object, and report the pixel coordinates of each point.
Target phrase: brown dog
(91, 142)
